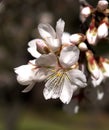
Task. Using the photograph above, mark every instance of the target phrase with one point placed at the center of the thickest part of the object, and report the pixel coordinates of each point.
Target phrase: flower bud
(104, 66)
(102, 31)
(102, 5)
(42, 47)
(92, 64)
(86, 11)
(77, 38)
(82, 46)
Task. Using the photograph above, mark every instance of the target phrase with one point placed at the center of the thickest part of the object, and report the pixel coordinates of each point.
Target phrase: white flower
(63, 81)
(30, 74)
(102, 31)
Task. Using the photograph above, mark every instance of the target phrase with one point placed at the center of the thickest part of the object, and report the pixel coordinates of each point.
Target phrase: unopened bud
(86, 11)
(92, 64)
(104, 66)
(82, 46)
(77, 38)
(102, 31)
(102, 5)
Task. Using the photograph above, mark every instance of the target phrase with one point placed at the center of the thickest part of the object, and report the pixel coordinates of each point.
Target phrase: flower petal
(67, 91)
(48, 60)
(53, 44)
(77, 77)
(92, 36)
(60, 28)
(69, 56)
(46, 30)
(53, 87)
(25, 74)
(96, 82)
(65, 39)
(102, 31)
(32, 49)
(29, 87)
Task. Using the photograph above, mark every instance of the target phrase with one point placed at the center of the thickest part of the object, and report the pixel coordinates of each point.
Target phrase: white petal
(53, 44)
(60, 28)
(69, 56)
(46, 30)
(32, 49)
(98, 81)
(102, 31)
(65, 38)
(29, 87)
(82, 46)
(77, 77)
(25, 73)
(53, 87)
(67, 91)
(41, 74)
(76, 38)
(46, 60)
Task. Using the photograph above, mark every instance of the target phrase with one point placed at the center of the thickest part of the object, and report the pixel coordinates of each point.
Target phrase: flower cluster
(67, 63)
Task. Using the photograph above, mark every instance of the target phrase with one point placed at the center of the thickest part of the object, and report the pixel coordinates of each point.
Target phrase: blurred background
(30, 111)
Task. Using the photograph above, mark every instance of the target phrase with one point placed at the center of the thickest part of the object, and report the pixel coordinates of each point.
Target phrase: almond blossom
(56, 63)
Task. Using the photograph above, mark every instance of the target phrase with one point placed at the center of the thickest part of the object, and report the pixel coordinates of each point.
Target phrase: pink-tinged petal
(46, 60)
(92, 64)
(67, 91)
(42, 47)
(77, 77)
(46, 31)
(32, 49)
(104, 66)
(60, 28)
(69, 56)
(102, 31)
(92, 36)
